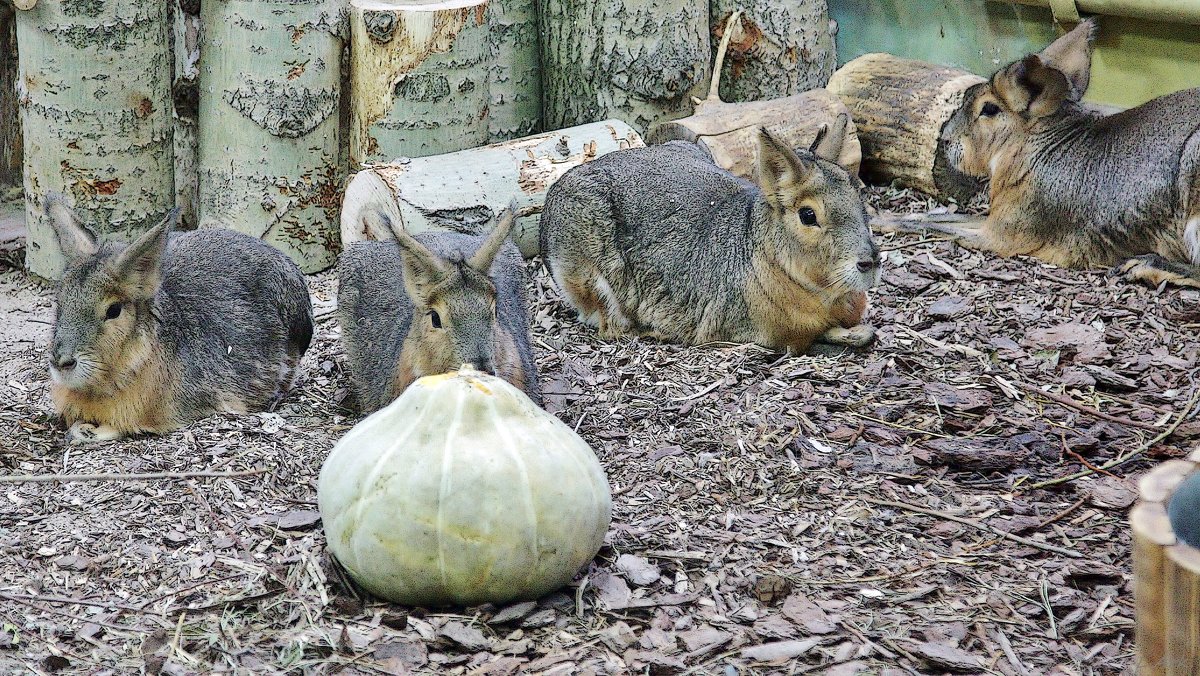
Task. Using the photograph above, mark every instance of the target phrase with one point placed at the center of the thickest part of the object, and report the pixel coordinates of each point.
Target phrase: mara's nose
(866, 265)
(63, 363)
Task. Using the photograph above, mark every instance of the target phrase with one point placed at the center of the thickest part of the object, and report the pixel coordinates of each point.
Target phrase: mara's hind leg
(82, 433)
(595, 302)
(1155, 270)
(969, 231)
(289, 373)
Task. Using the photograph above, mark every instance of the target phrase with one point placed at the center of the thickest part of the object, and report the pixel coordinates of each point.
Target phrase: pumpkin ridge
(581, 463)
(530, 509)
(451, 431)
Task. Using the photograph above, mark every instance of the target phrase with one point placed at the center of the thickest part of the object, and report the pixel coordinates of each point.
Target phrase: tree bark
(11, 141)
(462, 191)
(729, 131)
(515, 109)
(269, 92)
(185, 31)
(419, 78)
(784, 47)
(900, 106)
(94, 89)
(636, 61)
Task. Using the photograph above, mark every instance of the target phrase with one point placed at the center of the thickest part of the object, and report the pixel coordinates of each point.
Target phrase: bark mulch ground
(912, 508)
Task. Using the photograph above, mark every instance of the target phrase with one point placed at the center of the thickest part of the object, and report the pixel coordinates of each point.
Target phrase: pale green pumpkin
(462, 491)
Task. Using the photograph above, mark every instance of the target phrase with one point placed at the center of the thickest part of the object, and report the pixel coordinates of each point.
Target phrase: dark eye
(435, 319)
(113, 311)
(989, 109)
(808, 216)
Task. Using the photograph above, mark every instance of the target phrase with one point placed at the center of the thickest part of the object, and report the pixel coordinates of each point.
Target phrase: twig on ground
(1071, 403)
(1011, 654)
(977, 525)
(149, 476)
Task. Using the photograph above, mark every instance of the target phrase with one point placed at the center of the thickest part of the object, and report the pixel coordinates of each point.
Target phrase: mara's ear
(75, 240)
(782, 174)
(139, 266)
(1030, 88)
(830, 139)
(423, 269)
(482, 259)
(1072, 55)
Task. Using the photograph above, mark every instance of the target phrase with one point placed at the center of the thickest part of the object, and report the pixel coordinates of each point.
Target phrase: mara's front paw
(1155, 270)
(82, 433)
(855, 336)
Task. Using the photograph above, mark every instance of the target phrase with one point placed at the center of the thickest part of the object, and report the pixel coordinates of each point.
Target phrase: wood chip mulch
(906, 509)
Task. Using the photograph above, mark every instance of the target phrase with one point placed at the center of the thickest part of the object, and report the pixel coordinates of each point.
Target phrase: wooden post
(1166, 569)
(784, 47)
(900, 106)
(729, 131)
(419, 77)
(636, 61)
(515, 109)
(11, 141)
(462, 191)
(94, 89)
(269, 92)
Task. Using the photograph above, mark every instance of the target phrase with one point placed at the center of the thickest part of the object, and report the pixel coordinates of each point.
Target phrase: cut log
(783, 47)
(1151, 533)
(11, 141)
(516, 81)
(419, 76)
(900, 106)
(95, 98)
(269, 91)
(636, 61)
(462, 191)
(1181, 591)
(729, 131)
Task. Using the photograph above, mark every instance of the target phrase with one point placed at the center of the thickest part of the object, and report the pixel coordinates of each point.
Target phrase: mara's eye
(808, 216)
(989, 109)
(113, 311)
(435, 319)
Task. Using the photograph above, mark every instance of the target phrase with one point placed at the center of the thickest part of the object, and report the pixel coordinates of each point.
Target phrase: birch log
(784, 47)
(462, 191)
(419, 77)
(10, 122)
(639, 61)
(515, 109)
(94, 89)
(900, 106)
(269, 91)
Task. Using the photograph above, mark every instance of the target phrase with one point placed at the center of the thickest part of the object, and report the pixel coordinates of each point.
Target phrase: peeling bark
(784, 47)
(516, 85)
(185, 31)
(462, 191)
(636, 61)
(419, 78)
(270, 78)
(94, 91)
(10, 122)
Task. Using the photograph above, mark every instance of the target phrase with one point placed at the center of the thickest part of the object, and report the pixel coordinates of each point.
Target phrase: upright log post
(94, 89)
(641, 62)
(462, 191)
(784, 47)
(185, 33)
(515, 109)
(419, 77)
(269, 92)
(1166, 569)
(900, 106)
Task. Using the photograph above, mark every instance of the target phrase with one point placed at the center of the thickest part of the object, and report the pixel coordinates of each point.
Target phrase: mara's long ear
(782, 174)
(423, 269)
(139, 266)
(1072, 55)
(75, 240)
(830, 139)
(1030, 88)
(482, 259)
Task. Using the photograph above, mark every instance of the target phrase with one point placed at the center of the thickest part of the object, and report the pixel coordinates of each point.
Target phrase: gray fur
(673, 236)
(376, 312)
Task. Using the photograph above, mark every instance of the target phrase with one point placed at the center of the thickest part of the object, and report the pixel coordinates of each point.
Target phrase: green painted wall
(1135, 60)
